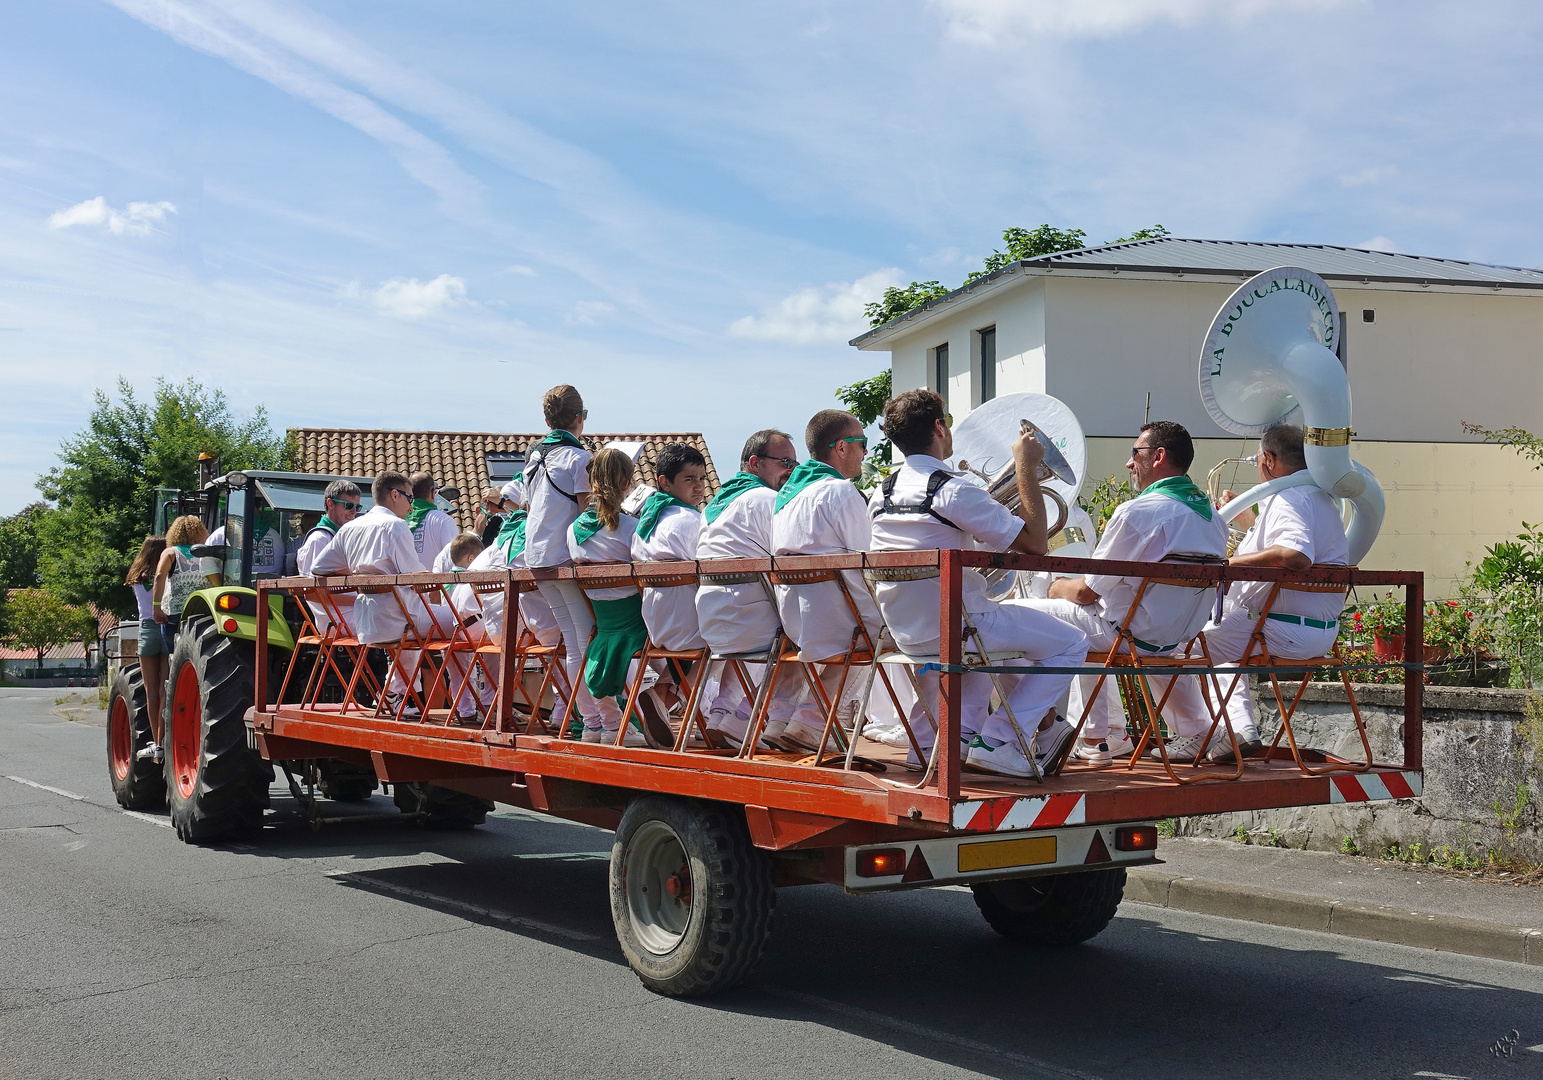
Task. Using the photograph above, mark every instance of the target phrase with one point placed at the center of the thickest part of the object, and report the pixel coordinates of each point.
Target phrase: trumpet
(1213, 490)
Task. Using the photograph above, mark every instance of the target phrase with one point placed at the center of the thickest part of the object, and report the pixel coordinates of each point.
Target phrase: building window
(503, 466)
(988, 364)
(940, 371)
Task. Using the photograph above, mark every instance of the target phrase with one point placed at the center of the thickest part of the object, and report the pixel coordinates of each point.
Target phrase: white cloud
(1379, 243)
(588, 313)
(139, 219)
(987, 22)
(817, 316)
(409, 298)
(1374, 175)
(517, 268)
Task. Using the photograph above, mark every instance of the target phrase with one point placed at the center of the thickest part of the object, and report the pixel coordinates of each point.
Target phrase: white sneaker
(152, 752)
(1220, 749)
(1093, 753)
(655, 716)
(394, 702)
(1008, 760)
(1120, 744)
(801, 735)
(1181, 748)
(773, 730)
(634, 737)
(593, 735)
(889, 736)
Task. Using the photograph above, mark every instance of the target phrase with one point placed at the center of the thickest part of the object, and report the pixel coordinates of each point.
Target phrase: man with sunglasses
(340, 505)
(737, 524)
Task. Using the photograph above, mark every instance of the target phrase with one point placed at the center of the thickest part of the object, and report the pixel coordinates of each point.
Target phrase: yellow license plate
(1001, 854)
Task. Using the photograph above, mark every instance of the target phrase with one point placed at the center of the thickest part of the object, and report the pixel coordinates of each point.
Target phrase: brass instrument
(1003, 487)
(1213, 490)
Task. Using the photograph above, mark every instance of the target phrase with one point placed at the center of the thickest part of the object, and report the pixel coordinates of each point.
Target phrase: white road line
(45, 787)
(477, 910)
(137, 816)
(930, 1034)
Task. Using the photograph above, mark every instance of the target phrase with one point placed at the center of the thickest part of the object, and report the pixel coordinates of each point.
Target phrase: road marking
(1538, 1049)
(606, 855)
(137, 816)
(930, 1034)
(367, 882)
(45, 787)
(1437, 980)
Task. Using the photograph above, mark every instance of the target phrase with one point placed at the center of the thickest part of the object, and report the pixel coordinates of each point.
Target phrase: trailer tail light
(228, 602)
(230, 626)
(1136, 838)
(881, 862)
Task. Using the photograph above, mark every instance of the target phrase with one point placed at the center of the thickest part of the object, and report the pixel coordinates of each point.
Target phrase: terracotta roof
(456, 457)
(73, 651)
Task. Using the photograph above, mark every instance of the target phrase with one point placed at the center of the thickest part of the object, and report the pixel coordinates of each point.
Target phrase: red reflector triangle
(1098, 851)
(917, 869)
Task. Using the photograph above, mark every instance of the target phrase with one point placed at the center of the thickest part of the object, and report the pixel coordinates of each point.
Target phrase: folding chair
(309, 635)
(549, 659)
(1129, 652)
(681, 661)
(1257, 654)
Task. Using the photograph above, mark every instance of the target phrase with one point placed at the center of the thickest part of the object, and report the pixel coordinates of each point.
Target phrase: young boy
(669, 526)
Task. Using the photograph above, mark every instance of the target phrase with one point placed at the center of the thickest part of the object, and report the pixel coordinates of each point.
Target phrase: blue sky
(423, 214)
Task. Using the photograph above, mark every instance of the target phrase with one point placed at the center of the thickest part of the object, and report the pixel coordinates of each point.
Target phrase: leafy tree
(898, 301)
(19, 547)
(1521, 440)
(40, 621)
(1154, 232)
(104, 486)
(1029, 244)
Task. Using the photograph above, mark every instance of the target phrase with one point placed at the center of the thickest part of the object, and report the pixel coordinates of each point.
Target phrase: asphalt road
(381, 950)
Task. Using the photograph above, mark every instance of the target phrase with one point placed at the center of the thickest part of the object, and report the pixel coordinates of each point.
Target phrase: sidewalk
(1342, 894)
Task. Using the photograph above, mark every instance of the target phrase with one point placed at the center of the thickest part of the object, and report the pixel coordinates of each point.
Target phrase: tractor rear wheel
(1062, 909)
(445, 809)
(215, 783)
(691, 896)
(137, 785)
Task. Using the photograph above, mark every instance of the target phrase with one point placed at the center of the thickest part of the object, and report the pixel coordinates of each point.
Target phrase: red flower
(1451, 603)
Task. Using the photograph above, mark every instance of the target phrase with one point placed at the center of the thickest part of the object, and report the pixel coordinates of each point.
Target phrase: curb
(1372, 922)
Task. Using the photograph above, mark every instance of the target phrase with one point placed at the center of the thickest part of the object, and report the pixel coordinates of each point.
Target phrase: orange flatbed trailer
(863, 829)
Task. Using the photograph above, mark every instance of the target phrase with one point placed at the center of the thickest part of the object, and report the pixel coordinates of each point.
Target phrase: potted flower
(1385, 619)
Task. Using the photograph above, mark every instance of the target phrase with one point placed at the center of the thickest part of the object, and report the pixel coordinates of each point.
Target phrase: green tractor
(212, 777)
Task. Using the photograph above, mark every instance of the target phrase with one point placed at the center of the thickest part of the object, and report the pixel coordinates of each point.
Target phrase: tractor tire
(137, 785)
(343, 782)
(691, 897)
(1063, 909)
(446, 809)
(215, 784)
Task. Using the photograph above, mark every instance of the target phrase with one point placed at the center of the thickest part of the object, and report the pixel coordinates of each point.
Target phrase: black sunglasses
(791, 463)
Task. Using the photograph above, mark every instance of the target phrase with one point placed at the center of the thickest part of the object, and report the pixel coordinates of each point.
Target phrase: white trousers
(1023, 626)
(575, 624)
(537, 616)
(1226, 641)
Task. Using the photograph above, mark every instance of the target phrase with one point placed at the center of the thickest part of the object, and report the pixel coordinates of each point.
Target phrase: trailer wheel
(691, 896)
(446, 809)
(137, 785)
(215, 784)
(342, 781)
(1063, 909)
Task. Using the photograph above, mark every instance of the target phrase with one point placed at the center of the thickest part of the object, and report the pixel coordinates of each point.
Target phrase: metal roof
(1242, 259)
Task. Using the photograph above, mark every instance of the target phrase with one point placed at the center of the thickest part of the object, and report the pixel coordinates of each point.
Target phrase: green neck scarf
(657, 504)
(511, 535)
(808, 472)
(420, 510)
(555, 437)
(186, 549)
(328, 524)
(1182, 489)
(736, 486)
(587, 525)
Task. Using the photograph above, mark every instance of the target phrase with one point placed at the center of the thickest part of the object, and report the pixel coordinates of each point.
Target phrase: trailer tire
(342, 781)
(446, 809)
(713, 938)
(216, 784)
(136, 784)
(1063, 909)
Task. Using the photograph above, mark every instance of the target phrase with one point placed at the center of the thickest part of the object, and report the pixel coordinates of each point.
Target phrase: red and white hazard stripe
(996, 815)
(1370, 787)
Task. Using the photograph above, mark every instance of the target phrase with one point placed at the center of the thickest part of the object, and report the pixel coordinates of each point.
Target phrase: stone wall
(1475, 756)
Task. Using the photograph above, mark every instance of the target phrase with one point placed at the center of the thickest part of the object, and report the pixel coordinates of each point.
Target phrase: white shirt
(267, 553)
(1146, 529)
(1302, 519)
(911, 608)
(552, 511)
(314, 543)
(465, 600)
(514, 491)
(433, 535)
(607, 546)
(738, 618)
(829, 517)
(377, 542)
(670, 614)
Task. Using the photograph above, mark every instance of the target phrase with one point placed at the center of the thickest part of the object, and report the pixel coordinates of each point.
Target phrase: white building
(1428, 343)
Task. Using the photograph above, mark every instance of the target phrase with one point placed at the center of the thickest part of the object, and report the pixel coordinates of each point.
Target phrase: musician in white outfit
(340, 505)
(556, 482)
(1170, 516)
(742, 618)
(924, 505)
(1296, 528)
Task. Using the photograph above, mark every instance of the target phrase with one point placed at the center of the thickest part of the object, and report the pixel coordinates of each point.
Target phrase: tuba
(1269, 359)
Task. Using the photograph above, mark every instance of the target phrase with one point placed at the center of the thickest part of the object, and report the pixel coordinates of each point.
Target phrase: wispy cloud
(817, 316)
(994, 22)
(138, 219)
(1378, 243)
(589, 313)
(1374, 175)
(409, 298)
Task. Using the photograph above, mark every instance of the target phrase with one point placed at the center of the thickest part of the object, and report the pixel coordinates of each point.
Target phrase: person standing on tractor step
(340, 505)
(380, 542)
(556, 479)
(179, 574)
(924, 505)
(154, 661)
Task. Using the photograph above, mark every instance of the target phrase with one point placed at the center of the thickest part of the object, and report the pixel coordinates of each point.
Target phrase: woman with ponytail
(603, 534)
